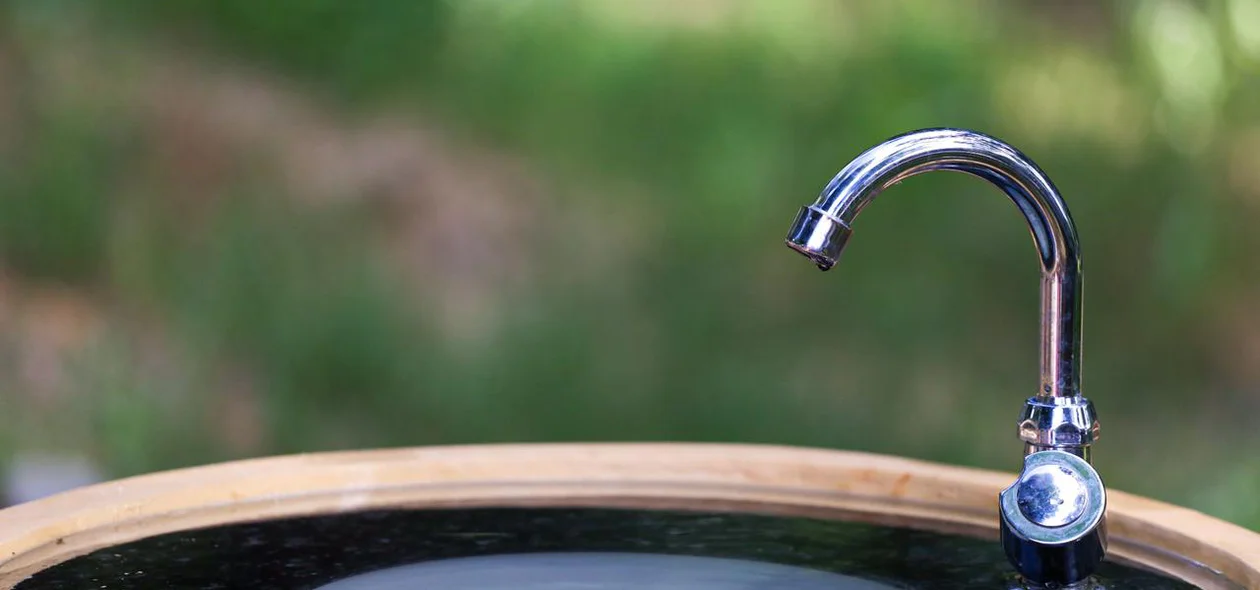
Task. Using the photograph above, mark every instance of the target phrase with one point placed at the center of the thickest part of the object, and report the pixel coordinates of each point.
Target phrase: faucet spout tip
(818, 236)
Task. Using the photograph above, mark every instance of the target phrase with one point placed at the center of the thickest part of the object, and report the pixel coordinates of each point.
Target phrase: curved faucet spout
(821, 230)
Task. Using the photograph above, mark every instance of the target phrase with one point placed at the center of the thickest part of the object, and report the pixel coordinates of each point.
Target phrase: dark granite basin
(554, 549)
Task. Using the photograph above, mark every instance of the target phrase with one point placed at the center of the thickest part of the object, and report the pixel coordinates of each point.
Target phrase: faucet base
(1059, 565)
(1053, 518)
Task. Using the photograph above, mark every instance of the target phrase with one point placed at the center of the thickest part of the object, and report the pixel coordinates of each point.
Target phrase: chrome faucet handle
(1058, 425)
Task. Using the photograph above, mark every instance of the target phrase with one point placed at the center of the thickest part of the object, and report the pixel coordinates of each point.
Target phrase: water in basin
(601, 571)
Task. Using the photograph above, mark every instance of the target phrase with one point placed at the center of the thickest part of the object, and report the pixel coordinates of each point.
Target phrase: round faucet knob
(1053, 529)
(1051, 495)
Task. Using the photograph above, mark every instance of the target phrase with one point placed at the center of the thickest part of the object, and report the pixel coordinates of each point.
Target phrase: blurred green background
(233, 228)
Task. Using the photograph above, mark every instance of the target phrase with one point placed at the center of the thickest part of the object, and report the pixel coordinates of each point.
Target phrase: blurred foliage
(699, 130)
(55, 184)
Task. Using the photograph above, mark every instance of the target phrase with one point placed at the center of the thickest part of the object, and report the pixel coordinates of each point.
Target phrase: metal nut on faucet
(1059, 423)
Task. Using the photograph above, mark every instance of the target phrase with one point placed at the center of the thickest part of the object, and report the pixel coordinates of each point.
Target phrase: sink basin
(570, 517)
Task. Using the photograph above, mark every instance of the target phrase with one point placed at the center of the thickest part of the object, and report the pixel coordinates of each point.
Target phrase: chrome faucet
(1052, 522)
